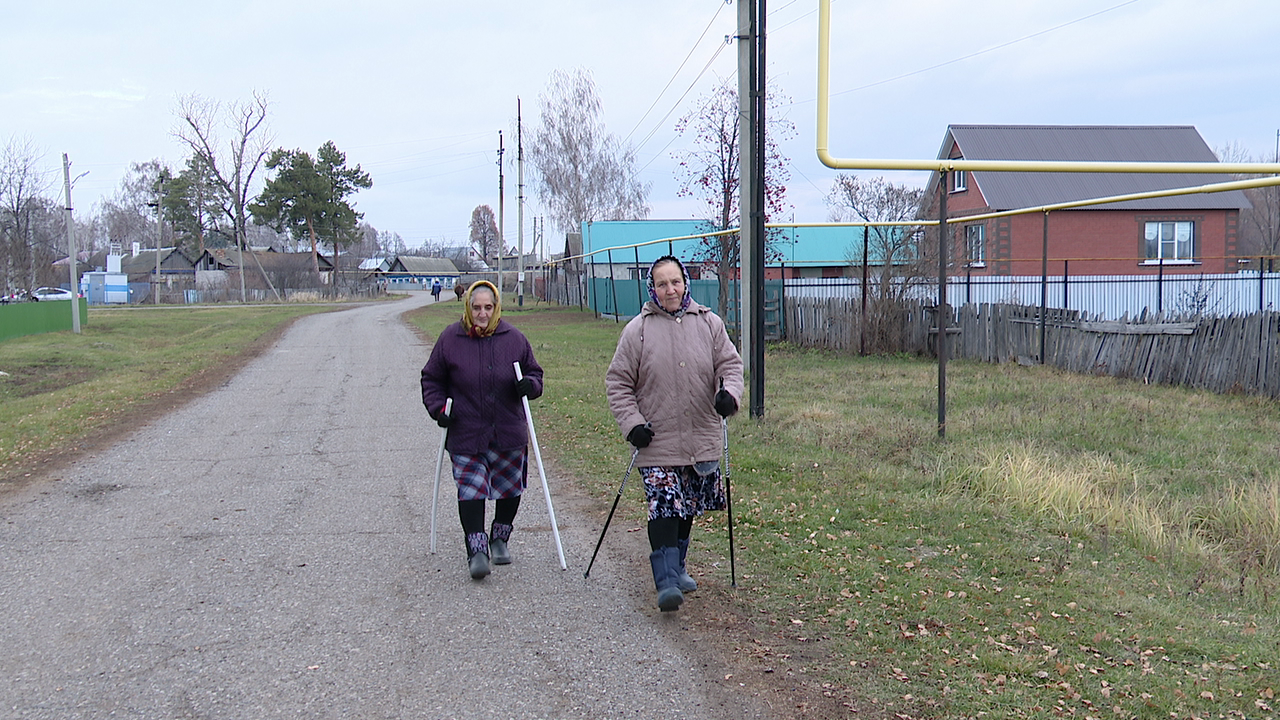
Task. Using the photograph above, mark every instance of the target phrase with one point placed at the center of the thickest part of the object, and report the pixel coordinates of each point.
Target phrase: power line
(987, 50)
(673, 108)
(677, 72)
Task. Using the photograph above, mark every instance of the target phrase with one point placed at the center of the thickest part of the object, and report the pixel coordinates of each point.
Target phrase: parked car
(51, 293)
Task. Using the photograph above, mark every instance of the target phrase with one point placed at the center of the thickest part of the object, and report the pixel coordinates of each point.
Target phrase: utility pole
(160, 241)
(502, 195)
(71, 248)
(746, 165)
(751, 179)
(519, 208)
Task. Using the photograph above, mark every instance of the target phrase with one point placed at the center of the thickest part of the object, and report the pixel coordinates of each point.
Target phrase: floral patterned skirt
(681, 491)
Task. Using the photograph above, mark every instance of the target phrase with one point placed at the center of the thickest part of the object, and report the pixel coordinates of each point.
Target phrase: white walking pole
(537, 452)
(435, 494)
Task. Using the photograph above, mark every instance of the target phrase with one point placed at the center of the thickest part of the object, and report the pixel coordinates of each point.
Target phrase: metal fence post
(613, 288)
(1065, 277)
(639, 281)
(1160, 287)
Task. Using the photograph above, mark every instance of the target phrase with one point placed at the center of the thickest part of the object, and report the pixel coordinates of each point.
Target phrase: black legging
(666, 532)
(471, 513)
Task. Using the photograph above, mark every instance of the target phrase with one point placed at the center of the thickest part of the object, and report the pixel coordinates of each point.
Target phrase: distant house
(408, 270)
(285, 270)
(1181, 234)
(175, 267)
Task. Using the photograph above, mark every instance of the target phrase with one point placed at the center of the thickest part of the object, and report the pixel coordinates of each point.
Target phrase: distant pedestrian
(674, 375)
(488, 437)
(459, 289)
(435, 290)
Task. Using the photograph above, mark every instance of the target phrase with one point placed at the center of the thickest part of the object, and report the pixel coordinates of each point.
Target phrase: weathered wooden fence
(1221, 354)
(828, 323)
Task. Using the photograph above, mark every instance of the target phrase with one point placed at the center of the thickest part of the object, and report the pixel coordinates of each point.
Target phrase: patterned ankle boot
(499, 534)
(478, 555)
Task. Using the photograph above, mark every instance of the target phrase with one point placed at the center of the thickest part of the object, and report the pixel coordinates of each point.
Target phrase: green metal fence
(32, 318)
(623, 298)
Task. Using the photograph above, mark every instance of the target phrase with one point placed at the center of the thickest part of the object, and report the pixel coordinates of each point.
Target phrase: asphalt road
(263, 552)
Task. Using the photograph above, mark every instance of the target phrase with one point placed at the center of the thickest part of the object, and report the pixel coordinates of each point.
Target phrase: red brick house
(1184, 234)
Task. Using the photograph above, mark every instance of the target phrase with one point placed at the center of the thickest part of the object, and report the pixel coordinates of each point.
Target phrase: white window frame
(1180, 249)
(959, 181)
(975, 249)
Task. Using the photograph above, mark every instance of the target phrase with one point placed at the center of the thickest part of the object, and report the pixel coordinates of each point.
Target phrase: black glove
(725, 404)
(524, 387)
(442, 419)
(640, 436)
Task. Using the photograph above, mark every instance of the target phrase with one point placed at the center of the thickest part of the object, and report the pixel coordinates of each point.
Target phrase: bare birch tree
(1260, 224)
(709, 172)
(22, 186)
(232, 163)
(583, 172)
(897, 258)
(484, 234)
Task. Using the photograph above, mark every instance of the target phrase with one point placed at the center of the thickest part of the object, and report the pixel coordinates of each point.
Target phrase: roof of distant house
(1146, 143)
(424, 265)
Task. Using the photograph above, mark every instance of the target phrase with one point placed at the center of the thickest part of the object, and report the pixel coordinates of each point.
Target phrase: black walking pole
(728, 496)
(609, 519)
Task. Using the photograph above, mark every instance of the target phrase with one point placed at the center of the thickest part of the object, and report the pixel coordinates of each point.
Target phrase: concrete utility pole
(519, 208)
(71, 248)
(746, 164)
(502, 195)
(751, 185)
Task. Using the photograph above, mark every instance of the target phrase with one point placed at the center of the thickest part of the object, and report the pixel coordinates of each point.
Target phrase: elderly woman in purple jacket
(674, 375)
(488, 438)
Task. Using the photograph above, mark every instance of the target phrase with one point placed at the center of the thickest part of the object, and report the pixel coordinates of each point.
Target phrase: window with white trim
(975, 244)
(1170, 240)
(959, 182)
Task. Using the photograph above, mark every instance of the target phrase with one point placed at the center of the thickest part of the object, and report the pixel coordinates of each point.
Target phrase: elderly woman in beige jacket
(673, 377)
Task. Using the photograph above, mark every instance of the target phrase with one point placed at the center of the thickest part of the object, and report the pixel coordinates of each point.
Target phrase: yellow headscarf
(468, 322)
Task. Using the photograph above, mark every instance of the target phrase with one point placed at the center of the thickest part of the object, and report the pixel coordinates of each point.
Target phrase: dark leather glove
(640, 436)
(442, 419)
(524, 387)
(725, 404)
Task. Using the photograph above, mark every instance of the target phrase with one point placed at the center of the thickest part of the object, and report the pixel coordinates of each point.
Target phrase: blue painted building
(795, 252)
(621, 251)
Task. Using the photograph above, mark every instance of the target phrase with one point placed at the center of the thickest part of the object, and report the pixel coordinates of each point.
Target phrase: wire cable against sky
(676, 74)
(791, 22)
(985, 51)
(696, 79)
(673, 109)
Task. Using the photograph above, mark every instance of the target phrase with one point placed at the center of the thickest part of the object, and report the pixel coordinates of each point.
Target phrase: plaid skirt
(491, 475)
(682, 492)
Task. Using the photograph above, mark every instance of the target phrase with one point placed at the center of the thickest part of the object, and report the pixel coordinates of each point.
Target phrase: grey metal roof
(426, 265)
(1159, 143)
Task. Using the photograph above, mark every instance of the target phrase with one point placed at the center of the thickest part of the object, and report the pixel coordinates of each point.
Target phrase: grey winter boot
(499, 534)
(478, 555)
(684, 580)
(666, 568)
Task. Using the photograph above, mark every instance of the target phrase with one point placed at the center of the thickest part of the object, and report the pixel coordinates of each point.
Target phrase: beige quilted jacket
(666, 371)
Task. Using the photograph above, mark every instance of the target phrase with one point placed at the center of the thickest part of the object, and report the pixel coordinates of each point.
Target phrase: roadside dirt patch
(27, 381)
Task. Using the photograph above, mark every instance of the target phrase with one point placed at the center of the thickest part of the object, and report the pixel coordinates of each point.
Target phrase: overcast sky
(415, 92)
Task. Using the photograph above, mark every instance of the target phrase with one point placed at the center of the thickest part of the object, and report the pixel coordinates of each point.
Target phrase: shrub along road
(264, 552)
